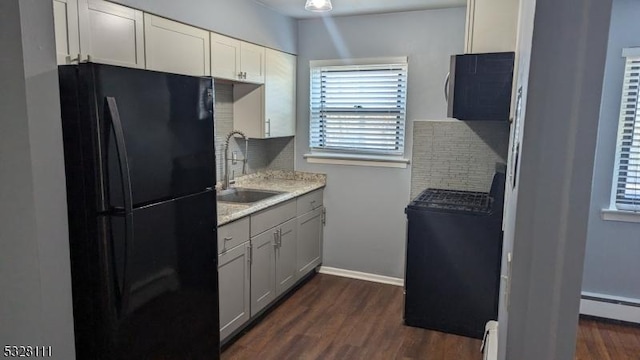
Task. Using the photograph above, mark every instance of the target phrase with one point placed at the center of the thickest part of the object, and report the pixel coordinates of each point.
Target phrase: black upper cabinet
(480, 86)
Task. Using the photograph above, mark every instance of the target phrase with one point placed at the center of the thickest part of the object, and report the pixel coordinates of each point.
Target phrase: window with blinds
(627, 173)
(358, 109)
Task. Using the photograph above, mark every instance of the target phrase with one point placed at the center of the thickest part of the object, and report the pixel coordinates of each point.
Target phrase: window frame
(357, 156)
(617, 211)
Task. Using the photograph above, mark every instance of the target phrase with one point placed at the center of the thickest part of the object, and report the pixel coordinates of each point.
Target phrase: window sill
(357, 160)
(620, 215)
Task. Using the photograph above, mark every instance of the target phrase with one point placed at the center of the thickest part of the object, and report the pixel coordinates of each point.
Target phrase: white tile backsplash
(457, 155)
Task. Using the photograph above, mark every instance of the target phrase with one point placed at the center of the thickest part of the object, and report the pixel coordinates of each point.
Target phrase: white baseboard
(610, 307)
(362, 276)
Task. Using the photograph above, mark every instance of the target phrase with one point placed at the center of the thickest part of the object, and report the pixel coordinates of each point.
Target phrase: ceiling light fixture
(318, 5)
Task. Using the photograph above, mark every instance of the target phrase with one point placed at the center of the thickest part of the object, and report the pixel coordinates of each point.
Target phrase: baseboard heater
(490, 342)
(610, 307)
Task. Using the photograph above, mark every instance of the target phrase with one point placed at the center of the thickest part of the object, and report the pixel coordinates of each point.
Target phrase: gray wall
(522, 65)
(457, 155)
(611, 264)
(35, 305)
(365, 228)
(548, 227)
(271, 154)
(243, 19)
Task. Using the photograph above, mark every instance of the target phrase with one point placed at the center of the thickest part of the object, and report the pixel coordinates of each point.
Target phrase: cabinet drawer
(273, 216)
(309, 202)
(233, 234)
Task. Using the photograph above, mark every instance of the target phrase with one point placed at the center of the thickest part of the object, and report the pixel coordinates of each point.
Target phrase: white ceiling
(295, 8)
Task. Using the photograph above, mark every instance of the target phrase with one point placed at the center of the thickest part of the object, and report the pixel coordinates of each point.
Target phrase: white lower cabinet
(263, 264)
(285, 245)
(309, 251)
(285, 249)
(273, 254)
(234, 288)
(310, 227)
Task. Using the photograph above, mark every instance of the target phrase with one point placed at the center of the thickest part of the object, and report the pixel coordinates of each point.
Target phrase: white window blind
(358, 108)
(627, 173)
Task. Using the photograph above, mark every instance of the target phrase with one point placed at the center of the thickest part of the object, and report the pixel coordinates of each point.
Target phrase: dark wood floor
(604, 341)
(337, 318)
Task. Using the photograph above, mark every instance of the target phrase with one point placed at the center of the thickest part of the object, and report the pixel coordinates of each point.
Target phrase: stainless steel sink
(245, 196)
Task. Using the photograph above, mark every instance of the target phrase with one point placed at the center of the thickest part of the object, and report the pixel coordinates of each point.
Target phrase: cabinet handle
(228, 238)
(268, 132)
(249, 250)
(244, 75)
(275, 239)
(240, 75)
(280, 237)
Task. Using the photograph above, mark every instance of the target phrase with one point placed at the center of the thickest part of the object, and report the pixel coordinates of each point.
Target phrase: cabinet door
(234, 279)
(225, 57)
(252, 62)
(65, 20)
(280, 87)
(309, 241)
(263, 280)
(286, 271)
(492, 26)
(175, 47)
(111, 33)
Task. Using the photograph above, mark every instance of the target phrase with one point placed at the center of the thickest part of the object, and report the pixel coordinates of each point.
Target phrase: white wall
(611, 265)
(243, 19)
(548, 226)
(35, 305)
(366, 223)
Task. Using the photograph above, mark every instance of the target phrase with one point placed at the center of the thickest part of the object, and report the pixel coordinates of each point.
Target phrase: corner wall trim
(609, 308)
(361, 276)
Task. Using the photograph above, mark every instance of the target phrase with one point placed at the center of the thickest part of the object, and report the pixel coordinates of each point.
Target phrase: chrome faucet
(225, 185)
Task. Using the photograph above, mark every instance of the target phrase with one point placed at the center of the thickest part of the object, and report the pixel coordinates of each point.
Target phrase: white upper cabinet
(98, 31)
(111, 33)
(65, 19)
(225, 57)
(175, 47)
(236, 60)
(492, 25)
(280, 89)
(252, 62)
(268, 111)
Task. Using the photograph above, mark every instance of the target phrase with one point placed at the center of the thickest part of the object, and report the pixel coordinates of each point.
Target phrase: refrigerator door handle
(446, 87)
(113, 116)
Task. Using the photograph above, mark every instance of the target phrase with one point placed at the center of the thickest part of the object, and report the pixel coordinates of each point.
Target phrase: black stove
(455, 200)
(454, 246)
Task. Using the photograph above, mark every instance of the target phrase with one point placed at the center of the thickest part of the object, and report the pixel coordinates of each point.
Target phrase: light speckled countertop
(292, 184)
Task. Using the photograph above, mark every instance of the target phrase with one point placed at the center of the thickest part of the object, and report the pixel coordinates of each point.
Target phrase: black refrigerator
(140, 168)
